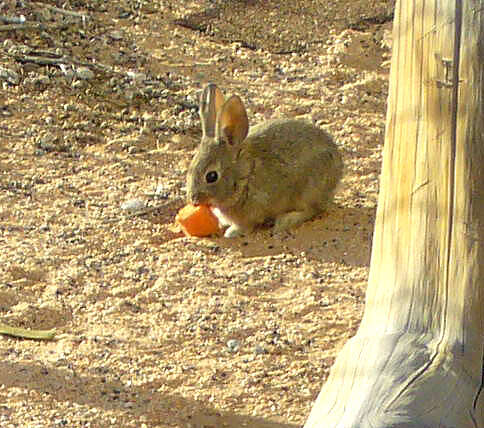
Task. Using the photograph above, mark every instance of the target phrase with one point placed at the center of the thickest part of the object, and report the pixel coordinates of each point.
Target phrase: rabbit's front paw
(222, 220)
(233, 231)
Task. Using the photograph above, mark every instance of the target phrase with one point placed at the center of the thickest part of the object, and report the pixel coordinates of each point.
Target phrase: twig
(26, 26)
(57, 60)
(46, 53)
(12, 19)
(26, 333)
(31, 26)
(62, 11)
(40, 60)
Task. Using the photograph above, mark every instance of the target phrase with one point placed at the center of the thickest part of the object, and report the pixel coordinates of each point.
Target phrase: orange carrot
(197, 220)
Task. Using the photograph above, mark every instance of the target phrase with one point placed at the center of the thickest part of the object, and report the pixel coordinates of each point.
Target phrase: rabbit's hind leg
(291, 219)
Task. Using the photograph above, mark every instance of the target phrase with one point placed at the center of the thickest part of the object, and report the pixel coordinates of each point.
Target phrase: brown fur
(284, 170)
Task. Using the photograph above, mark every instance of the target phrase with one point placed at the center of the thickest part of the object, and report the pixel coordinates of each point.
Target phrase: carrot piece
(197, 220)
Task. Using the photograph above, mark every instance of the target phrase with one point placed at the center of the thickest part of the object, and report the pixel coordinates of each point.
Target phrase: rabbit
(283, 171)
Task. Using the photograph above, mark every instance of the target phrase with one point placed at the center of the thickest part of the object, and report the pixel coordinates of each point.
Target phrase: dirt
(98, 122)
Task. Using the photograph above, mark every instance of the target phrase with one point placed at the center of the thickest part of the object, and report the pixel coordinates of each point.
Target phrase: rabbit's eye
(211, 177)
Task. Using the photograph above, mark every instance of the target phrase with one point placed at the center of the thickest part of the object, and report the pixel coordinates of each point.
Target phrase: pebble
(133, 205)
(69, 107)
(132, 150)
(84, 73)
(68, 72)
(233, 345)
(7, 44)
(161, 192)
(116, 35)
(9, 76)
(136, 77)
(47, 142)
(113, 81)
(260, 349)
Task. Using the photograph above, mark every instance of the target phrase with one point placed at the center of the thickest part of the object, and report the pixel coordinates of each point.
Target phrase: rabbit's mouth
(199, 199)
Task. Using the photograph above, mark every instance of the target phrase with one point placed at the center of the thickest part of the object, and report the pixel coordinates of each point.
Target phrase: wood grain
(417, 359)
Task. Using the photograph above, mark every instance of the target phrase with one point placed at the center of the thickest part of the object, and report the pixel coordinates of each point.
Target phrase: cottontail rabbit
(283, 170)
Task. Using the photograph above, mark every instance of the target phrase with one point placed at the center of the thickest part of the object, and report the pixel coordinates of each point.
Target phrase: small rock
(260, 349)
(7, 44)
(233, 345)
(68, 72)
(133, 205)
(116, 35)
(84, 73)
(9, 76)
(132, 150)
(47, 142)
(161, 192)
(5, 111)
(70, 107)
(136, 77)
(124, 14)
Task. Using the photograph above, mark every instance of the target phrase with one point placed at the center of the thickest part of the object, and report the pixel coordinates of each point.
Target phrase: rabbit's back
(298, 161)
(284, 134)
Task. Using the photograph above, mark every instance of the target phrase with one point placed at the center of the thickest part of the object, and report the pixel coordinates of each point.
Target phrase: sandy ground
(98, 113)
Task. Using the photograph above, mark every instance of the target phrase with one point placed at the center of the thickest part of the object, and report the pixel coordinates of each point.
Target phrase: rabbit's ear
(232, 121)
(211, 102)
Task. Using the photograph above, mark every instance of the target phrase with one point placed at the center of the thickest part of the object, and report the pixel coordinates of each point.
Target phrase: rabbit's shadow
(340, 235)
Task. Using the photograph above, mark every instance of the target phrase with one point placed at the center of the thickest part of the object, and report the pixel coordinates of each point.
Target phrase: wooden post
(417, 358)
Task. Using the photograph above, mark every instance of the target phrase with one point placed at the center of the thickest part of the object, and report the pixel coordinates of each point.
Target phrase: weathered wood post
(417, 359)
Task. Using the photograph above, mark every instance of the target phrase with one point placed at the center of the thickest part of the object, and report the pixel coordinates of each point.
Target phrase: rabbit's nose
(193, 198)
(197, 198)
